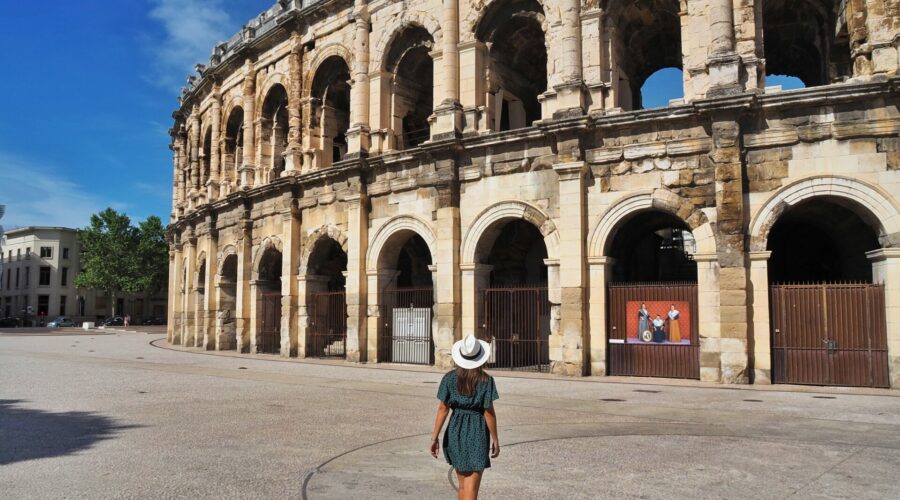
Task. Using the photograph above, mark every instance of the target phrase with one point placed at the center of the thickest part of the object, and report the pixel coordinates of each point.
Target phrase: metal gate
(632, 352)
(268, 336)
(517, 324)
(328, 324)
(829, 334)
(405, 335)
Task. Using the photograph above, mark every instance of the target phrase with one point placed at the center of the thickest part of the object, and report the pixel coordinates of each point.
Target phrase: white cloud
(39, 195)
(191, 29)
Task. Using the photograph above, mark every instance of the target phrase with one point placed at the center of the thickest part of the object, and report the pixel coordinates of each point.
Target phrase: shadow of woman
(29, 434)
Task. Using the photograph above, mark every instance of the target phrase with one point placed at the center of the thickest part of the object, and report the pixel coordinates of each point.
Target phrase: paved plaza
(119, 415)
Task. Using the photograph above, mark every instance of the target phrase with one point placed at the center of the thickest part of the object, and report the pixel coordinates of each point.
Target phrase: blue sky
(88, 88)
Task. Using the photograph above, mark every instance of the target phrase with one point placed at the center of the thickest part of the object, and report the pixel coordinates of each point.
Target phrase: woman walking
(470, 393)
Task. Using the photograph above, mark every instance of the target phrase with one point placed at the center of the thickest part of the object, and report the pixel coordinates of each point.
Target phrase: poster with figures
(658, 322)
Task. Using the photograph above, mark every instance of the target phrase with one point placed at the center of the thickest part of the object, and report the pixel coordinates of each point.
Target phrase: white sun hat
(470, 352)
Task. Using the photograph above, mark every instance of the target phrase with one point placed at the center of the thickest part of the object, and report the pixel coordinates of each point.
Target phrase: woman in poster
(674, 327)
(643, 321)
(659, 335)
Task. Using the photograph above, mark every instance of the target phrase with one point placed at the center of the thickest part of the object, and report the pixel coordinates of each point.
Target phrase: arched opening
(512, 284)
(806, 39)
(205, 158)
(406, 300)
(652, 297)
(662, 87)
(274, 129)
(200, 287)
(226, 317)
(326, 299)
(828, 319)
(644, 36)
(331, 109)
(412, 72)
(234, 151)
(517, 62)
(268, 291)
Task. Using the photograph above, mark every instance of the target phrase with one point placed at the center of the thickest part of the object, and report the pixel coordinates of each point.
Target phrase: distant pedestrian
(127, 320)
(470, 392)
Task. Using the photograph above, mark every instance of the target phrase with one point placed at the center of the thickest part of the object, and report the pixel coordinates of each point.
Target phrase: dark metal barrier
(829, 334)
(517, 324)
(268, 310)
(631, 351)
(328, 325)
(405, 335)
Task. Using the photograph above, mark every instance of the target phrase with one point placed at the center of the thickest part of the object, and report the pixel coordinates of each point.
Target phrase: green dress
(466, 440)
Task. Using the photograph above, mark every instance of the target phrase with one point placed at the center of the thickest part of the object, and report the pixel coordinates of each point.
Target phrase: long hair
(468, 379)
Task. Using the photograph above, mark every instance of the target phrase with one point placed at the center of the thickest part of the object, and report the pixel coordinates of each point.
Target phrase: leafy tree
(116, 256)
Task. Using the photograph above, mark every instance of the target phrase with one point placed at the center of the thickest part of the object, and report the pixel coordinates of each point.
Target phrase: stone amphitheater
(373, 180)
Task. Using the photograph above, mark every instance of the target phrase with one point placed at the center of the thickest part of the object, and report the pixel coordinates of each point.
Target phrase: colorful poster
(658, 322)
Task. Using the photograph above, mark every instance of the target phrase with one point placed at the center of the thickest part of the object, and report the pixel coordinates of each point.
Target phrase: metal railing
(328, 325)
(517, 324)
(405, 336)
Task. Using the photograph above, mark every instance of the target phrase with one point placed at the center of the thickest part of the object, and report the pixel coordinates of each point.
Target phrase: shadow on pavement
(29, 434)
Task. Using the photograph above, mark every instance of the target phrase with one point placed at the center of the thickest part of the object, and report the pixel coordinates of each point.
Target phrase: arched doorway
(515, 305)
(274, 129)
(233, 157)
(652, 298)
(200, 287)
(828, 318)
(268, 308)
(326, 300)
(412, 71)
(330, 114)
(406, 300)
(226, 327)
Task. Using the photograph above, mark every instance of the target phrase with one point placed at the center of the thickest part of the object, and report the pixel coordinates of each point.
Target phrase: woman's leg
(469, 483)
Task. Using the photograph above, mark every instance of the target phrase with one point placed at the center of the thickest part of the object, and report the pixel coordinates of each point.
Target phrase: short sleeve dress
(466, 440)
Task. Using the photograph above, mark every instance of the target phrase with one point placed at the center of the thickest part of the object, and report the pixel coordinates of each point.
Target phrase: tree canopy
(116, 255)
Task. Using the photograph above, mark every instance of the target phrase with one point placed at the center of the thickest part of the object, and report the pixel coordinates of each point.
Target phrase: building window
(43, 305)
(28, 253)
(17, 278)
(8, 279)
(27, 277)
(64, 277)
(46, 252)
(65, 252)
(62, 305)
(45, 276)
(18, 254)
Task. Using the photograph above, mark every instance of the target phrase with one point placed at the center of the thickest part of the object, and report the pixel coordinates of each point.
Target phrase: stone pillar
(215, 160)
(599, 267)
(195, 153)
(173, 295)
(247, 172)
(183, 171)
(762, 335)
(293, 160)
(357, 282)
(886, 270)
(212, 270)
(253, 317)
(447, 285)
(708, 317)
(724, 64)
(472, 85)
(290, 263)
(474, 279)
(554, 296)
(571, 91)
(377, 282)
(243, 295)
(448, 113)
(303, 316)
(358, 133)
(882, 31)
(572, 271)
(190, 252)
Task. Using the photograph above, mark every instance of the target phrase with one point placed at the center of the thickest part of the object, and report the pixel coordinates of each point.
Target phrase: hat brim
(468, 364)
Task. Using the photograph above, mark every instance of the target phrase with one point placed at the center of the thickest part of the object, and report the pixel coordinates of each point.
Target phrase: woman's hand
(495, 449)
(435, 447)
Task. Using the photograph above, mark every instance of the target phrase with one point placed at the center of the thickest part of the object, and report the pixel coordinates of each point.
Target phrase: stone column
(290, 263)
(448, 112)
(474, 279)
(195, 153)
(572, 271)
(762, 335)
(173, 293)
(357, 282)
(253, 317)
(447, 285)
(183, 171)
(472, 85)
(215, 160)
(293, 160)
(599, 267)
(358, 133)
(303, 316)
(886, 270)
(190, 252)
(212, 270)
(248, 170)
(243, 295)
(724, 64)
(570, 92)
(377, 282)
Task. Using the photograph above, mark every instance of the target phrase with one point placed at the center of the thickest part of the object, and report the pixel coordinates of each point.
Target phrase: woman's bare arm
(442, 412)
(490, 417)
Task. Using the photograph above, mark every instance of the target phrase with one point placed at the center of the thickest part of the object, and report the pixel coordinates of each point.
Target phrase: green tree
(116, 256)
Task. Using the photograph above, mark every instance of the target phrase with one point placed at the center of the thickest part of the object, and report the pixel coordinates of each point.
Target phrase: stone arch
(327, 231)
(226, 252)
(396, 27)
(270, 242)
(477, 11)
(651, 199)
(878, 208)
(508, 210)
(322, 55)
(389, 228)
(271, 80)
(228, 106)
